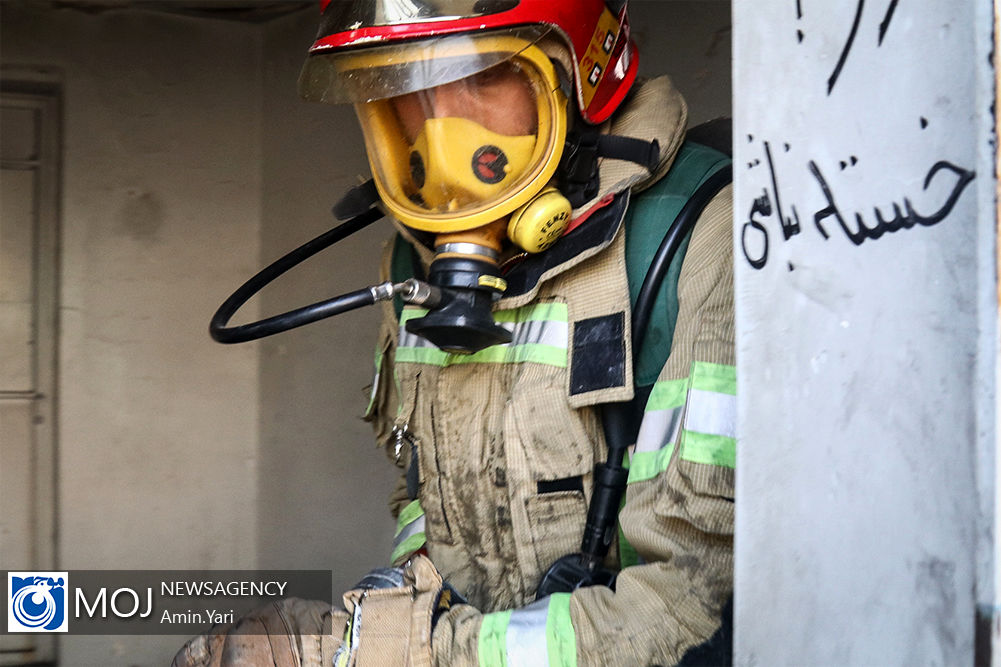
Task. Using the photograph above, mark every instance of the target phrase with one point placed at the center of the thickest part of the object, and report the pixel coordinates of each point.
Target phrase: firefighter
(532, 178)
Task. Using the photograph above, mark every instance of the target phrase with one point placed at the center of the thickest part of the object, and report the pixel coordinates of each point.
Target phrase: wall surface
(323, 484)
(689, 40)
(866, 290)
(160, 220)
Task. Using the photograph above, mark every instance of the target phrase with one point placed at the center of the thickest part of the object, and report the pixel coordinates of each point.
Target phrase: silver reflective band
(541, 332)
(411, 529)
(658, 429)
(526, 635)
(466, 249)
(712, 413)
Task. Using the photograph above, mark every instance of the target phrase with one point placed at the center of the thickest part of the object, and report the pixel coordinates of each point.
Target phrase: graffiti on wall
(775, 215)
(850, 38)
(856, 226)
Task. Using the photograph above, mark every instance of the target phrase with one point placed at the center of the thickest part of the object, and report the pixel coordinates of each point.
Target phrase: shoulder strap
(647, 223)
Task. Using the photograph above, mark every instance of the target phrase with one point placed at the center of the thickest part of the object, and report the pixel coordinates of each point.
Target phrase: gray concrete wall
(690, 41)
(157, 431)
(323, 484)
(866, 364)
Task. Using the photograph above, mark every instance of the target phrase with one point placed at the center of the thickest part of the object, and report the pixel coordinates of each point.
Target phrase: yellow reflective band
(539, 334)
(647, 465)
(561, 640)
(491, 646)
(714, 450)
(410, 535)
(720, 378)
(540, 634)
(667, 394)
(707, 399)
(409, 514)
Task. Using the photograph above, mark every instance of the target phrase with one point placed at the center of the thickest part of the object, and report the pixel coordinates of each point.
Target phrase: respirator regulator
(466, 164)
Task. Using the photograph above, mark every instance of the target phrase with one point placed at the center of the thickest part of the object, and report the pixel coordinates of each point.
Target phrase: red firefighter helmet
(589, 38)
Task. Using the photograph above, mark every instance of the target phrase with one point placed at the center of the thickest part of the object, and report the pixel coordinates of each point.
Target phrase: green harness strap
(649, 216)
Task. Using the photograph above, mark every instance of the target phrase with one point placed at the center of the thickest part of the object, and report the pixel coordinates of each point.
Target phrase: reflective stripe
(628, 556)
(719, 378)
(560, 636)
(491, 646)
(540, 634)
(408, 514)
(375, 380)
(713, 413)
(539, 334)
(409, 532)
(526, 635)
(707, 399)
(658, 431)
(667, 394)
(714, 450)
(710, 432)
(647, 465)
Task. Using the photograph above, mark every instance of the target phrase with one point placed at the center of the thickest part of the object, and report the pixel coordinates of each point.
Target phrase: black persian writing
(856, 226)
(846, 48)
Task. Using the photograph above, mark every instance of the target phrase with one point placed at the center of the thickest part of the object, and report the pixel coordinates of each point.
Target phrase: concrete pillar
(865, 234)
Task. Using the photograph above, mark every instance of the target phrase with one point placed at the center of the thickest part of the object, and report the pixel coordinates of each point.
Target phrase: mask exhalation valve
(466, 275)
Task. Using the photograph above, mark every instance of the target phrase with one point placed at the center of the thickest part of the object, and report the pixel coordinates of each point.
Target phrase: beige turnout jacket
(506, 442)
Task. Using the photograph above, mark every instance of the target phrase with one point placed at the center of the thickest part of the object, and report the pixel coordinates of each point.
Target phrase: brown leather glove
(286, 633)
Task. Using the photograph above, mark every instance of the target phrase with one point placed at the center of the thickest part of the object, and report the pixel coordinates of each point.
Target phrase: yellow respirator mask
(469, 160)
(462, 165)
(456, 162)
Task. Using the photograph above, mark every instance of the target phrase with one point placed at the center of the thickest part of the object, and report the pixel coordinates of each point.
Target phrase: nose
(450, 101)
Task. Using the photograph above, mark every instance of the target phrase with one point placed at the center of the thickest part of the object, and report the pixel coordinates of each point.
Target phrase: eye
(495, 75)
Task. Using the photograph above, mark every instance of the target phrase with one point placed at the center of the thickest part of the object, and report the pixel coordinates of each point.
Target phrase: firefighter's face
(500, 99)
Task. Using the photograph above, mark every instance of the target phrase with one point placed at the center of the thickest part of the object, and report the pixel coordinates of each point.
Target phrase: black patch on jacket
(599, 354)
(575, 483)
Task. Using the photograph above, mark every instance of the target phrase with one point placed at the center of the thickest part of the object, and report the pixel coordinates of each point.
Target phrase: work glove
(285, 633)
(393, 611)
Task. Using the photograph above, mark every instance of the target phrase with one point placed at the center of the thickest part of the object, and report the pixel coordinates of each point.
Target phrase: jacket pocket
(552, 435)
(557, 525)
(559, 456)
(699, 494)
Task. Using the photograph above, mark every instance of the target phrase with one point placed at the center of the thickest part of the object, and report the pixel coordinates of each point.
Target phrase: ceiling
(253, 11)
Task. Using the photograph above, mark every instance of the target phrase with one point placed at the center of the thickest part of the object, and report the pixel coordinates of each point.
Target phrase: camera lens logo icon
(36, 601)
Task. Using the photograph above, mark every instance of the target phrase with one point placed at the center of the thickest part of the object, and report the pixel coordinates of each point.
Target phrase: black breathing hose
(300, 316)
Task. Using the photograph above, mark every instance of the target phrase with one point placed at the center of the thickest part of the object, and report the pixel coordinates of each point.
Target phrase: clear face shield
(460, 131)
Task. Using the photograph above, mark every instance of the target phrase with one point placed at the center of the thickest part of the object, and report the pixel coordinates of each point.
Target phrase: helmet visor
(380, 72)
